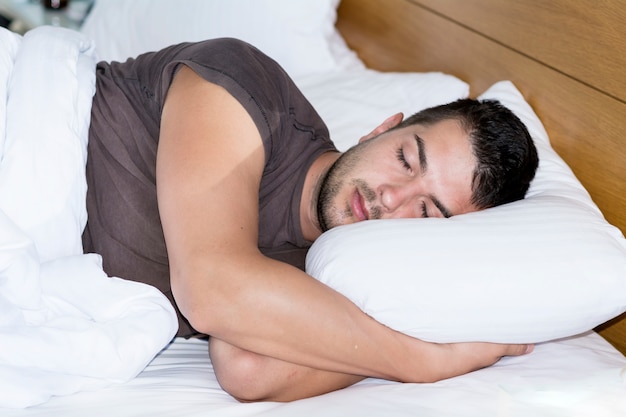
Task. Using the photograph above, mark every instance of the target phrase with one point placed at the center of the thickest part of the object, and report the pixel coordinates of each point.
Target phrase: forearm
(276, 310)
(282, 313)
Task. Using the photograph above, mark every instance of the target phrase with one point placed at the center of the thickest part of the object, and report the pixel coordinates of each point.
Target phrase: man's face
(416, 171)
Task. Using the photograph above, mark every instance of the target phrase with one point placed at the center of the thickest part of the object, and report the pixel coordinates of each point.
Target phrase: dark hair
(505, 153)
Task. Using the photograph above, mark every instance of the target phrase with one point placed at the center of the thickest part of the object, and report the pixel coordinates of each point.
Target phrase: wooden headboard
(568, 59)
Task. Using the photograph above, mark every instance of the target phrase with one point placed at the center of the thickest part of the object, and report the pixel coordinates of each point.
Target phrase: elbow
(199, 321)
(238, 372)
(197, 306)
(210, 291)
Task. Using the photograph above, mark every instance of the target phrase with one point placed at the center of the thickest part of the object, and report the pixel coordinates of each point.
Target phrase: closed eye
(402, 159)
(424, 211)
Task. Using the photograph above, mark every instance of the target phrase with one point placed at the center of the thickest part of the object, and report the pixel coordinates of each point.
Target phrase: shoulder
(232, 56)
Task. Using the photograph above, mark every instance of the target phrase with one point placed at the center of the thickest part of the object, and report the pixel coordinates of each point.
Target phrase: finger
(519, 350)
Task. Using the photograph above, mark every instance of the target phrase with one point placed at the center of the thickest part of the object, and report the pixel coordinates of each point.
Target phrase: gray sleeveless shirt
(123, 218)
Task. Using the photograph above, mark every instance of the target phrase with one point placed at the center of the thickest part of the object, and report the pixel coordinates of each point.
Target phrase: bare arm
(209, 166)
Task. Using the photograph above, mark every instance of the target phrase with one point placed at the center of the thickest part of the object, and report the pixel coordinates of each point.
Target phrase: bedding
(64, 325)
(574, 377)
(104, 366)
(277, 27)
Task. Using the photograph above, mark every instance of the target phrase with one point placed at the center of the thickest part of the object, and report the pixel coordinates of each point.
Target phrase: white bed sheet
(579, 376)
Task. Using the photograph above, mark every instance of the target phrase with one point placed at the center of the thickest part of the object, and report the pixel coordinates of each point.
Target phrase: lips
(357, 204)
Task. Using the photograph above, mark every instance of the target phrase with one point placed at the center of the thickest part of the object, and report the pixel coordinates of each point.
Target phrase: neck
(308, 204)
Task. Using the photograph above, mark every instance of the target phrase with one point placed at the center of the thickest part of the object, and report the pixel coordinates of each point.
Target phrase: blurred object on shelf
(55, 4)
(24, 15)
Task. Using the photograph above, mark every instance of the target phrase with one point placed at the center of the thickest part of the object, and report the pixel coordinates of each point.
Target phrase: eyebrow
(444, 211)
(421, 154)
(421, 151)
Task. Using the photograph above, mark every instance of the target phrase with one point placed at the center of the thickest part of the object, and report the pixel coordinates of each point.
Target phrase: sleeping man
(208, 171)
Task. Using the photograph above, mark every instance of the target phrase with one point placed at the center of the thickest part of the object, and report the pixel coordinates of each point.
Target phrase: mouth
(357, 205)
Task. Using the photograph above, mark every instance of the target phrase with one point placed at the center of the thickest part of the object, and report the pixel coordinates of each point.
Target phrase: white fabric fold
(64, 325)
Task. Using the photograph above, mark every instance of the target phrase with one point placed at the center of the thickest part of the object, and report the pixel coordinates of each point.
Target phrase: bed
(550, 270)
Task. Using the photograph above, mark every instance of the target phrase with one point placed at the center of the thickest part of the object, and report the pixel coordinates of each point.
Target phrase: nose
(398, 200)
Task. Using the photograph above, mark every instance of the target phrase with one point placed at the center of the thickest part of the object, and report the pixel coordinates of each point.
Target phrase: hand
(454, 359)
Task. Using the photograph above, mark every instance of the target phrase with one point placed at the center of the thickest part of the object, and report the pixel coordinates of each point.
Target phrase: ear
(389, 123)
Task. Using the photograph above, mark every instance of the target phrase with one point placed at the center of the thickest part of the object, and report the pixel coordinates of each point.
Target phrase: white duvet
(64, 325)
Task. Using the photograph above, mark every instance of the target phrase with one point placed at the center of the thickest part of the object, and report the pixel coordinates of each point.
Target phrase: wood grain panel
(583, 39)
(615, 332)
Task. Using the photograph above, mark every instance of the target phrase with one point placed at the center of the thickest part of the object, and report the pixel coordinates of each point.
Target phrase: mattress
(578, 376)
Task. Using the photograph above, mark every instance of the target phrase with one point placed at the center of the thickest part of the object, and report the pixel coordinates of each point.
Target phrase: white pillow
(353, 103)
(546, 267)
(300, 34)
